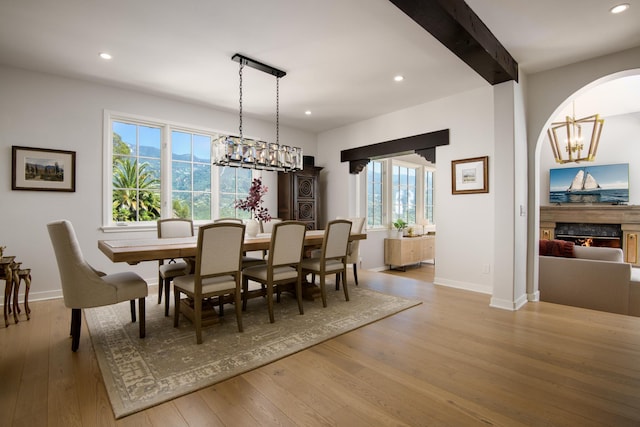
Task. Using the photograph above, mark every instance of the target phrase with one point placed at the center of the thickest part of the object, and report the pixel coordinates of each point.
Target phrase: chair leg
(236, 297)
(76, 324)
(337, 281)
(160, 288)
(355, 273)
(299, 294)
(133, 310)
(245, 289)
(344, 285)
(176, 307)
(270, 301)
(141, 315)
(323, 290)
(197, 308)
(167, 287)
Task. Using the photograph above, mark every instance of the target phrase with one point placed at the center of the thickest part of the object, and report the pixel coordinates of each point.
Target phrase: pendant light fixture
(238, 151)
(567, 138)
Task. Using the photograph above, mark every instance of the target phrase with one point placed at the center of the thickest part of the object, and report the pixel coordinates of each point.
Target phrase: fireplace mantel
(627, 216)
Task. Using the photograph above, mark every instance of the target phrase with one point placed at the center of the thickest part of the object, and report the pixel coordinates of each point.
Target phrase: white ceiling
(340, 55)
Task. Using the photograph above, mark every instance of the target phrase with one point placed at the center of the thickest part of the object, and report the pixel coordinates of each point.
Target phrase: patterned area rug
(140, 373)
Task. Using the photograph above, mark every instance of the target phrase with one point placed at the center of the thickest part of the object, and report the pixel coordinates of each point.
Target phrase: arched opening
(615, 98)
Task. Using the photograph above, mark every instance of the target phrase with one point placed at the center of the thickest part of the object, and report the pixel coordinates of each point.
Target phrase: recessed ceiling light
(105, 55)
(308, 113)
(619, 8)
(398, 78)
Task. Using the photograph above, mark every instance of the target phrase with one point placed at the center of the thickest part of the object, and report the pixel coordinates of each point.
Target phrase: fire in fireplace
(600, 235)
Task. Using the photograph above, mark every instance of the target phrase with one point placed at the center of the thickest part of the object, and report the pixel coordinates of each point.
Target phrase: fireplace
(617, 226)
(600, 235)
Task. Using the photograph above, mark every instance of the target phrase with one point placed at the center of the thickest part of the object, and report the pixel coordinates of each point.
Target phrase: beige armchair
(85, 287)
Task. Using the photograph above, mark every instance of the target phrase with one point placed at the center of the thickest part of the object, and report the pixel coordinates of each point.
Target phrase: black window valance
(424, 145)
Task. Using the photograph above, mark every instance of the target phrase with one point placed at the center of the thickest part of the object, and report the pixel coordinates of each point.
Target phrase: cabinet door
(631, 247)
(305, 193)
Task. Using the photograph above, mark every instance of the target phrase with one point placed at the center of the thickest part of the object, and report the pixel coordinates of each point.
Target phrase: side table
(6, 273)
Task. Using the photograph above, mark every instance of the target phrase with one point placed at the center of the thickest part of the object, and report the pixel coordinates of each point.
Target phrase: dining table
(134, 251)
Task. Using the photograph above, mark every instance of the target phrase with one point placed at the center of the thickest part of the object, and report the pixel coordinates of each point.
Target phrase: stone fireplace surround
(626, 217)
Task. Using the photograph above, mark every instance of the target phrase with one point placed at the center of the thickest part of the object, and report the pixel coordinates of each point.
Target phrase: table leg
(7, 293)
(16, 286)
(27, 287)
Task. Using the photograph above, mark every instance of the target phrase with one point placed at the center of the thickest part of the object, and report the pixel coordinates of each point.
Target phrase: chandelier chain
(240, 74)
(277, 110)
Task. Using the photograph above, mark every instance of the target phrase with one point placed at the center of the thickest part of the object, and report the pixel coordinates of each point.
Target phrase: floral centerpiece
(253, 203)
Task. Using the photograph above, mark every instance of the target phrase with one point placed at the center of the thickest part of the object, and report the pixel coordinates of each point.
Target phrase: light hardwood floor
(451, 361)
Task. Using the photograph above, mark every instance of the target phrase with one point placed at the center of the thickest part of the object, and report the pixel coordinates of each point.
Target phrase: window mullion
(166, 176)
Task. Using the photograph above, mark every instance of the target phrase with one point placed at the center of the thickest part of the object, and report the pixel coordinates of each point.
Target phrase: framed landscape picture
(42, 169)
(470, 175)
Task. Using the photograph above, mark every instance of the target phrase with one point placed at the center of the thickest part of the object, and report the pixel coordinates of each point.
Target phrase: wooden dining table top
(134, 251)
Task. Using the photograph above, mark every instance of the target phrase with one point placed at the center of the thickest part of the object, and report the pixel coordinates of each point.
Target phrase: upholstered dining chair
(353, 250)
(226, 220)
(217, 273)
(85, 287)
(172, 227)
(267, 227)
(282, 266)
(247, 261)
(333, 256)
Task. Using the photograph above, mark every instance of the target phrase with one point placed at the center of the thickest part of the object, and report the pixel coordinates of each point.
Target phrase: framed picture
(470, 176)
(41, 169)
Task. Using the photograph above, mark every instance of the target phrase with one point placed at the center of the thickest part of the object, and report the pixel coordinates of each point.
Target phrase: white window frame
(166, 127)
(387, 186)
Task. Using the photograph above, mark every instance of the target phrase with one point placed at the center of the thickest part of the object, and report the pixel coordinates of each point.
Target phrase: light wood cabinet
(409, 250)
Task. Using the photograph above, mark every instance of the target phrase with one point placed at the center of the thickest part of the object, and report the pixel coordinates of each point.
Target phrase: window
(190, 175)
(429, 186)
(407, 192)
(234, 184)
(160, 170)
(404, 193)
(374, 194)
(136, 172)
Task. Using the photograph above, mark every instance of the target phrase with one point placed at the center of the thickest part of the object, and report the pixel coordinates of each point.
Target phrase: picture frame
(470, 176)
(42, 169)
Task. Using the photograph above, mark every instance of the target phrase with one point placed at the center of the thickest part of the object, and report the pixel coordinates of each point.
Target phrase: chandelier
(238, 151)
(572, 132)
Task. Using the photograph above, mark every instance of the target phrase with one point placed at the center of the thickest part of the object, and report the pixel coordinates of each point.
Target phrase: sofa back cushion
(602, 254)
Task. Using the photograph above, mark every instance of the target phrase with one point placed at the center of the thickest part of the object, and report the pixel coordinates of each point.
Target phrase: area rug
(140, 373)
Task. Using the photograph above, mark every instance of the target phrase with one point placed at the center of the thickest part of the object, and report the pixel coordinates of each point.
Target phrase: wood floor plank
(32, 392)
(453, 360)
(287, 400)
(196, 412)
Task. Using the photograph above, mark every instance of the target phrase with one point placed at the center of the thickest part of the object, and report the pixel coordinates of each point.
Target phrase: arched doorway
(613, 95)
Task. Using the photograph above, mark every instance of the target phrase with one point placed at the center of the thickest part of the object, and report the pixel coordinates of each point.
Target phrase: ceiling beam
(424, 145)
(457, 27)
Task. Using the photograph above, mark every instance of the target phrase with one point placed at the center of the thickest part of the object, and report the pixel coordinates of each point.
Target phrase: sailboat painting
(590, 184)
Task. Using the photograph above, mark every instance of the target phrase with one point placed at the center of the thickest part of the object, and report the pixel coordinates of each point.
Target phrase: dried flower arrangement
(253, 202)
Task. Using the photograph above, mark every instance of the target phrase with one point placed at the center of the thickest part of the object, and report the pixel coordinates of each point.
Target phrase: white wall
(465, 225)
(40, 110)
(619, 143)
